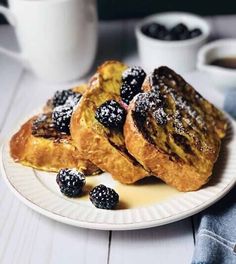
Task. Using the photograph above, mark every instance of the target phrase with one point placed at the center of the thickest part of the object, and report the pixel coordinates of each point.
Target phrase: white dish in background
(39, 191)
(179, 55)
(223, 78)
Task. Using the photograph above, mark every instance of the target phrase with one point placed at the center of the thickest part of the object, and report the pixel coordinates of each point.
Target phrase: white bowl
(223, 78)
(179, 55)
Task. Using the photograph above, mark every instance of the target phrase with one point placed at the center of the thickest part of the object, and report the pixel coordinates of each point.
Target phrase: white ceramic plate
(39, 191)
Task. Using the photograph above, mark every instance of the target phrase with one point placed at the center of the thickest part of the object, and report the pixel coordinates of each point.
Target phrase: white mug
(57, 38)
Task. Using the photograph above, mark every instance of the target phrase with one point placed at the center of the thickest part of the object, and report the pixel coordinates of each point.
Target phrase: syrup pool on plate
(146, 192)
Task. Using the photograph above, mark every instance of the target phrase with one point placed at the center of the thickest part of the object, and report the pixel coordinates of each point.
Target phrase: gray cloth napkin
(216, 236)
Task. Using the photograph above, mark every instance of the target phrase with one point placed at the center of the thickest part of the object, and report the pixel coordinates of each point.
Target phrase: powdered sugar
(111, 114)
(135, 71)
(160, 116)
(164, 92)
(152, 102)
(61, 116)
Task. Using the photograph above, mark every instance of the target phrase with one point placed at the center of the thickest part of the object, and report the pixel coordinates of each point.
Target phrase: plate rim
(114, 226)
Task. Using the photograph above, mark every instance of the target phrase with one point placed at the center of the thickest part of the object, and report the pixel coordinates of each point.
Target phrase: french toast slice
(39, 145)
(103, 146)
(173, 131)
(45, 149)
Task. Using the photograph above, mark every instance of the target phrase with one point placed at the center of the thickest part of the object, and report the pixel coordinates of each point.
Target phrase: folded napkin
(216, 236)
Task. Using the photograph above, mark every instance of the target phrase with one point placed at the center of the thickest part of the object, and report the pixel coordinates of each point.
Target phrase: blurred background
(120, 9)
(113, 9)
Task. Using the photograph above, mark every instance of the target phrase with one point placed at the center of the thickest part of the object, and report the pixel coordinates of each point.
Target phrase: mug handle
(11, 19)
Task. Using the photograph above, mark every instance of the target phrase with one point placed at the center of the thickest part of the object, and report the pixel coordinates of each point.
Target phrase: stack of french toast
(129, 124)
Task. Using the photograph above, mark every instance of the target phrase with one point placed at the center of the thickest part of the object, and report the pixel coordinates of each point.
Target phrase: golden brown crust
(82, 88)
(104, 147)
(46, 154)
(49, 153)
(185, 169)
(176, 173)
(214, 117)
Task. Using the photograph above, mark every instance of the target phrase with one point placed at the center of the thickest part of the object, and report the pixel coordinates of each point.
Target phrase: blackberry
(168, 37)
(178, 32)
(73, 99)
(195, 32)
(185, 35)
(145, 29)
(61, 116)
(111, 115)
(128, 92)
(154, 30)
(179, 29)
(71, 182)
(132, 80)
(103, 197)
(134, 75)
(60, 97)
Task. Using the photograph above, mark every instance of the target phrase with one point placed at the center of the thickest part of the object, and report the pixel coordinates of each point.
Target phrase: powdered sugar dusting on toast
(160, 116)
(152, 102)
(163, 86)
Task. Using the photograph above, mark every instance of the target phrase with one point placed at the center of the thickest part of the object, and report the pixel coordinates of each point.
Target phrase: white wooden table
(28, 237)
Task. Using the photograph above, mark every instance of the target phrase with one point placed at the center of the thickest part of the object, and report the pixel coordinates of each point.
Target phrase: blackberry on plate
(111, 115)
(60, 97)
(71, 182)
(132, 80)
(61, 116)
(104, 197)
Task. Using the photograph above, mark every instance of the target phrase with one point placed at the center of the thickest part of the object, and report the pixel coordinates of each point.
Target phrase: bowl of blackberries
(171, 39)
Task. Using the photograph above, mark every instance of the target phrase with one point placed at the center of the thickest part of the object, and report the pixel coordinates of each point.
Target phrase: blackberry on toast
(40, 145)
(173, 131)
(103, 145)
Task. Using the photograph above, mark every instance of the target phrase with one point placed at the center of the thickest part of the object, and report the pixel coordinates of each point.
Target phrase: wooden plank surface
(27, 237)
(32, 237)
(155, 245)
(172, 243)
